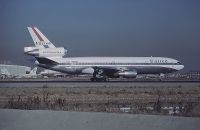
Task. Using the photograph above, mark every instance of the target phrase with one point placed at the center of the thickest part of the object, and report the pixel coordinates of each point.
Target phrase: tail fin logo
(37, 34)
(39, 39)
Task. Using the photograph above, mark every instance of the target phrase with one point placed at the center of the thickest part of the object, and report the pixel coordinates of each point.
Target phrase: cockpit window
(179, 63)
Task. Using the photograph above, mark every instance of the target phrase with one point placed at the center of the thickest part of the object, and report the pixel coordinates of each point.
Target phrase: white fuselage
(142, 65)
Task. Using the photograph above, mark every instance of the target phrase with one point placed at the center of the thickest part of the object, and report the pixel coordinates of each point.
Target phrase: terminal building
(12, 70)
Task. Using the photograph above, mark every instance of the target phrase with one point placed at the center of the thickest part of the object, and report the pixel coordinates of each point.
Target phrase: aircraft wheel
(92, 79)
(104, 79)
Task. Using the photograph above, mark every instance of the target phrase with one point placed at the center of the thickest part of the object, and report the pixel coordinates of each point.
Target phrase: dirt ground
(182, 101)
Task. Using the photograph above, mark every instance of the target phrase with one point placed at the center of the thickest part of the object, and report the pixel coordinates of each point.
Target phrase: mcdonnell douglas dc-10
(101, 68)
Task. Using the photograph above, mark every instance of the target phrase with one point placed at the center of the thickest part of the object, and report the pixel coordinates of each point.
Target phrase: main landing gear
(98, 76)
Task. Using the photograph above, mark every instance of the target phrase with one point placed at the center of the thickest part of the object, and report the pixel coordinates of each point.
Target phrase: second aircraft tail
(33, 71)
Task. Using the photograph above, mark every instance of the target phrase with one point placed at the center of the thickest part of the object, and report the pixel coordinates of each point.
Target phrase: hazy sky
(167, 28)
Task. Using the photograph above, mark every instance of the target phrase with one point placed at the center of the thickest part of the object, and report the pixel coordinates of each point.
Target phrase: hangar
(13, 69)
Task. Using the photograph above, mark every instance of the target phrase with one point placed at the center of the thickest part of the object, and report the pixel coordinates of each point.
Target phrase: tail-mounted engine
(45, 52)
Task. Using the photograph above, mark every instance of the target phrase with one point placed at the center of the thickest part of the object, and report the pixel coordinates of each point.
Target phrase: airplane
(32, 74)
(5, 74)
(101, 68)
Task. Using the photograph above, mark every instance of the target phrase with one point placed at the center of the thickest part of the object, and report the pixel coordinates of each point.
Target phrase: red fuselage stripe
(38, 35)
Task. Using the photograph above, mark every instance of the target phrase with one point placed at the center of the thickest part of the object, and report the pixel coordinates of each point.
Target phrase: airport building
(13, 69)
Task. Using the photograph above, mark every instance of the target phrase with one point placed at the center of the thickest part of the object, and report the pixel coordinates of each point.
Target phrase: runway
(99, 84)
(42, 119)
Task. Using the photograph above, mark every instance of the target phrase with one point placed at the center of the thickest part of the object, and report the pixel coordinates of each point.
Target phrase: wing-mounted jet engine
(128, 74)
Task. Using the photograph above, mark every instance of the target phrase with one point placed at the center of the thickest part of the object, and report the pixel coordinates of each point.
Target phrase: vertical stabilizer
(39, 39)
